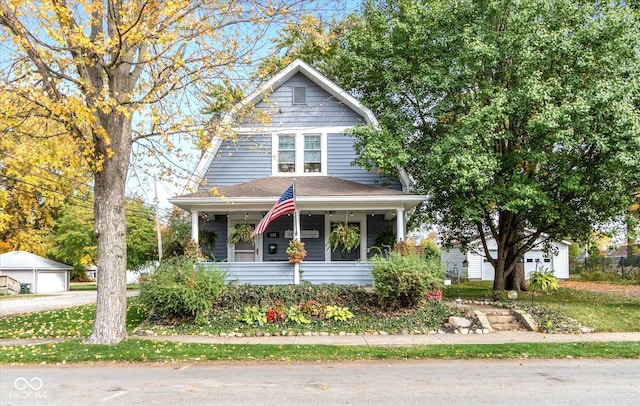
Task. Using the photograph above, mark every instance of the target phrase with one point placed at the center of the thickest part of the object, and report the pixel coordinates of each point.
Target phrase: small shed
(42, 274)
(474, 265)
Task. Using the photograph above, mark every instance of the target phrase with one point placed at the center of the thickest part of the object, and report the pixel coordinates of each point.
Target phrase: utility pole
(155, 190)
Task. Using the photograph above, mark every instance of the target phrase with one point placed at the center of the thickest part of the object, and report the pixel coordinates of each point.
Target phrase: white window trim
(299, 143)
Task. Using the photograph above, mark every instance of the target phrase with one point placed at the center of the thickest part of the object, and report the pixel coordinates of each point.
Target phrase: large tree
(519, 119)
(38, 175)
(117, 72)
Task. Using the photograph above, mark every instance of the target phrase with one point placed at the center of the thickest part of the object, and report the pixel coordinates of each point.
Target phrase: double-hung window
(286, 153)
(312, 153)
(300, 153)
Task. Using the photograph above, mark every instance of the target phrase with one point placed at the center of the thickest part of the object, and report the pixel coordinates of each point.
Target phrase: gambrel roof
(298, 66)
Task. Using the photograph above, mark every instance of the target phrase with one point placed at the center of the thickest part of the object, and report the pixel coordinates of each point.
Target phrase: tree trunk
(498, 276)
(516, 280)
(111, 230)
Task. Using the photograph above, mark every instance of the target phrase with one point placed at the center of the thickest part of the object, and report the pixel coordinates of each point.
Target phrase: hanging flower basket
(346, 236)
(296, 251)
(240, 233)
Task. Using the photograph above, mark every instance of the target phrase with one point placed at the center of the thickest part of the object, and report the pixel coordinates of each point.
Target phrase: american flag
(285, 205)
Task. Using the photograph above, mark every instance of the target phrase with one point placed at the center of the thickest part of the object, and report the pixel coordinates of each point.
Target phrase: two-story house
(301, 141)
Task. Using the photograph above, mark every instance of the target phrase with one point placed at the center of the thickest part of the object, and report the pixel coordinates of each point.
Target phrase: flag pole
(296, 234)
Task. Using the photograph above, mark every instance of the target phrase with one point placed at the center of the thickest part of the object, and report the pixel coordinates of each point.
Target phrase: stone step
(504, 320)
(507, 327)
(498, 312)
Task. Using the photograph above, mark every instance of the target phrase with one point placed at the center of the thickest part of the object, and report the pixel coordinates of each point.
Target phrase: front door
(245, 251)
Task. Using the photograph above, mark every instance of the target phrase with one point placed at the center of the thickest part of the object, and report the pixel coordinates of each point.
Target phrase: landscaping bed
(250, 310)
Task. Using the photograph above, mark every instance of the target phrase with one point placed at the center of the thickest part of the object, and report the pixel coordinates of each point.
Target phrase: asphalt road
(28, 304)
(399, 383)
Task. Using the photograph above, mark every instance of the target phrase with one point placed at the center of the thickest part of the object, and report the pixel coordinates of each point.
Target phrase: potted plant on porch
(296, 251)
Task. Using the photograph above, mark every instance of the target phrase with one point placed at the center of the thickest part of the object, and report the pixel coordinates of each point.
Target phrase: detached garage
(44, 275)
(474, 265)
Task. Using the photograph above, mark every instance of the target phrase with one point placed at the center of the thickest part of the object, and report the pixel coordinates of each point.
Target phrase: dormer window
(299, 95)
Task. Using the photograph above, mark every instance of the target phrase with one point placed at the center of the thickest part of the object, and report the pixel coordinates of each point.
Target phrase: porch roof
(311, 191)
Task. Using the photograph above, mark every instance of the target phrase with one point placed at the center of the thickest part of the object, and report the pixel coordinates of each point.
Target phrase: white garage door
(52, 282)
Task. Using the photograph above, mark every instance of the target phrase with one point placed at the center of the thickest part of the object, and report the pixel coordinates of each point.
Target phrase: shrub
(405, 280)
(542, 281)
(180, 289)
(431, 250)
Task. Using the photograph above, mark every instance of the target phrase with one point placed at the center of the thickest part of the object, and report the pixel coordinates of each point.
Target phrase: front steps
(498, 319)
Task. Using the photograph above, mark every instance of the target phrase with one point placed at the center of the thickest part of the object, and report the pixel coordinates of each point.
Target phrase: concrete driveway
(60, 300)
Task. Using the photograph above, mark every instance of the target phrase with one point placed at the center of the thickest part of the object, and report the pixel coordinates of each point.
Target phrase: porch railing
(281, 273)
(8, 285)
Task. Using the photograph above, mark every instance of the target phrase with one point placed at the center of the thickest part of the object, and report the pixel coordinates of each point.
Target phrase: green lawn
(602, 312)
(138, 350)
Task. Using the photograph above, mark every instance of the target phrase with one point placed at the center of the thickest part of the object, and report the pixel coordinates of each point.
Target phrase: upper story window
(286, 153)
(300, 153)
(299, 95)
(312, 153)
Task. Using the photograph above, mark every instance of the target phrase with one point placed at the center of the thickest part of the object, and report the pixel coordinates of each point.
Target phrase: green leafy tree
(74, 242)
(519, 120)
(177, 234)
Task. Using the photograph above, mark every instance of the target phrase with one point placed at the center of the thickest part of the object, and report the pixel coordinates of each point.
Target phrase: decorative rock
(478, 331)
(586, 330)
(342, 333)
(239, 335)
(459, 322)
(307, 334)
(464, 330)
(383, 333)
(485, 331)
(324, 334)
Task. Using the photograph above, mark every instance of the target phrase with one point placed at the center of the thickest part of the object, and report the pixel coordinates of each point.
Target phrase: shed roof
(21, 260)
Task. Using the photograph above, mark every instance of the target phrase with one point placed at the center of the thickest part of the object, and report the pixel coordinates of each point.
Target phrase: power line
(76, 181)
(141, 214)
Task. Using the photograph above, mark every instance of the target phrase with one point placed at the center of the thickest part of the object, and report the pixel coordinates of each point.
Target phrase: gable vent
(299, 95)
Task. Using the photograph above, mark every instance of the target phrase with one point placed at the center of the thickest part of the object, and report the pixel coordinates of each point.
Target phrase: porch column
(296, 236)
(400, 223)
(194, 225)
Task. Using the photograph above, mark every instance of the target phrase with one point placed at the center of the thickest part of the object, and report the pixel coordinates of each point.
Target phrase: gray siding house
(300, 141)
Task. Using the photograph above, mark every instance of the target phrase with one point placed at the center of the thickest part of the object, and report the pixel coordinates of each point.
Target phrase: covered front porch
(321, 203)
